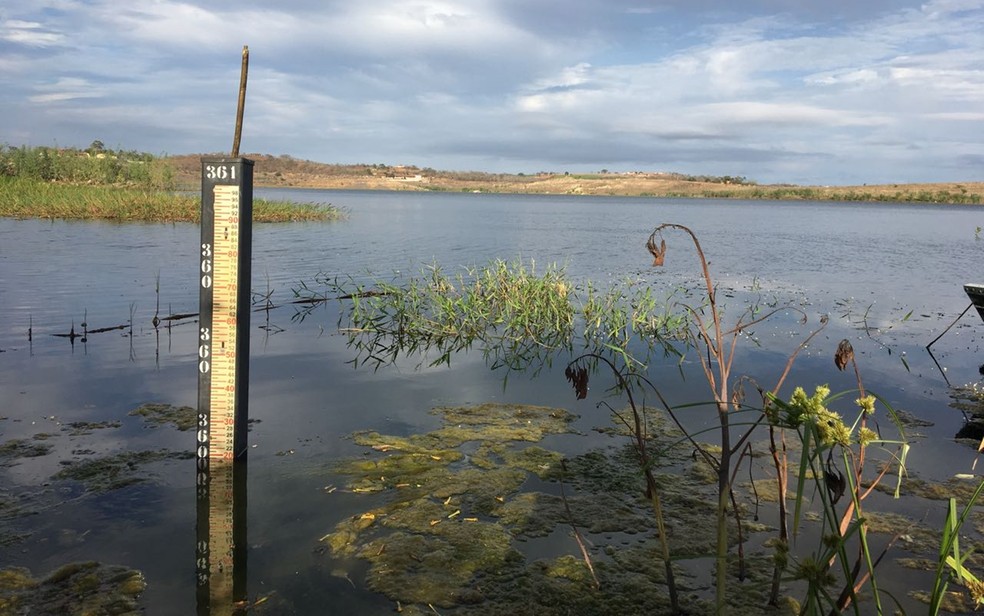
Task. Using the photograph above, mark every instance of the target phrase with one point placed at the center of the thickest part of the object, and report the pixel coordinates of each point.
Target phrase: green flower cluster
(866, 404)
(831, 428)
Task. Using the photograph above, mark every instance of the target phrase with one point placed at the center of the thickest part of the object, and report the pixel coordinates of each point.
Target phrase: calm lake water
(858, 263)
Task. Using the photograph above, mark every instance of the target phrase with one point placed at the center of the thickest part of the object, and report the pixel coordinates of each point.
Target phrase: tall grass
(518, 315)
(101, 184)
(30, 198)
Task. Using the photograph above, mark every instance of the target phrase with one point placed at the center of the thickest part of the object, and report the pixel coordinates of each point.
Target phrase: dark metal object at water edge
(976, 294)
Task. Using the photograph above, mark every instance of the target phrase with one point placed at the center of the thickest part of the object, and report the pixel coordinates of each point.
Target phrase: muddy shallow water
(68, 402)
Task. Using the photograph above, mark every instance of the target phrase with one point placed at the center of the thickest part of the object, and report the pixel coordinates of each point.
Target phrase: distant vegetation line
(99, 166)
(287, 171)
(103, 184)
(276, 169)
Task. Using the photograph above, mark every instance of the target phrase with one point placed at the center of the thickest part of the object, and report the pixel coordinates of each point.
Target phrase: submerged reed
(519, 317)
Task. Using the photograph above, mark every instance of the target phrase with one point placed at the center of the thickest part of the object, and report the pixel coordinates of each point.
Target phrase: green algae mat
(453, 508)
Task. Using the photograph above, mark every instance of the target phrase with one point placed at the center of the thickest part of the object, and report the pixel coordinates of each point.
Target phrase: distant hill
(287, 171)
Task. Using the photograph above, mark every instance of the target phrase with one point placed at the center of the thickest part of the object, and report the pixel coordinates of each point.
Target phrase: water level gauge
(223, 382)
(224, 292)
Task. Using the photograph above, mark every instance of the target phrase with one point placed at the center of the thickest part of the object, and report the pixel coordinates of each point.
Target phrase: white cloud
(498, 83)
(958, 116)
(846, 77)
(65, 89)
(29, 33)
(758, 113)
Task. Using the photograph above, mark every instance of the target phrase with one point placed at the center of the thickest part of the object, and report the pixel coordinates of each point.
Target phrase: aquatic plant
(577, 373)
(117, 470)
(517, 316)
(16, 448)
(950, 566)
(716, 346)
(76, 589)
(438, 529)
(520, 319)
(824, 436)
(158, 414)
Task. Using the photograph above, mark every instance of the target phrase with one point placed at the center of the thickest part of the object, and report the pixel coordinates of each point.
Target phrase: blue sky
(832, 92)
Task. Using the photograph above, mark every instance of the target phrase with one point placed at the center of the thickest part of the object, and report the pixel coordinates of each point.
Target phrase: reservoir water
(888, 276)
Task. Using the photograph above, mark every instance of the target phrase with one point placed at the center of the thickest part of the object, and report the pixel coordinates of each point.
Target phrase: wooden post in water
(242, 102)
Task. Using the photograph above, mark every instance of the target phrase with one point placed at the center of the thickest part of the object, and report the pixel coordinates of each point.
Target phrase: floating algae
(500, 423)
(84, 428)
(78, 589)
(435, 535)
(158, 414)
(115, 471)
(456, 507)
(451, 508)
(21, 448)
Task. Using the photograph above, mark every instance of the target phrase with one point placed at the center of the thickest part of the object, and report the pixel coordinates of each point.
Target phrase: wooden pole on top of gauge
(224, 299)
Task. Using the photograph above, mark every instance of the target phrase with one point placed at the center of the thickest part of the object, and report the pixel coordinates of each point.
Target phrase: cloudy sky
(804, 91)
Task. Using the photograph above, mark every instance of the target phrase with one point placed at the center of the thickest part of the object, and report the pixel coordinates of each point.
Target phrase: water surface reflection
(866, 266)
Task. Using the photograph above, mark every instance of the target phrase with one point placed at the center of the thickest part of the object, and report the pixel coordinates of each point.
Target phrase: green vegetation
(951, 565)
(158, 414)
(77, 589)
(448, 506)
(824, 464)
(21, 448)
(512, 311)
(100, 184)
(117, 470)
(94, 165)
(798, 193)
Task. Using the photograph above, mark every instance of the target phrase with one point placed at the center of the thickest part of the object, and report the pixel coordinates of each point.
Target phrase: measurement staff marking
(222, 397)
(225, 290)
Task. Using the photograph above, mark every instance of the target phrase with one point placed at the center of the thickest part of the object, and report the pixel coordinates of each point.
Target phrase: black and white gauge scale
(223, 380)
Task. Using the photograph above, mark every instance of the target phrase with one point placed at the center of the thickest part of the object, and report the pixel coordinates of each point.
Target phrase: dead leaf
(578, 376)
(844, 354)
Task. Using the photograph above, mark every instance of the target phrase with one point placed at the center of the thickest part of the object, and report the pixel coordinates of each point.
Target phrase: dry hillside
(291, 172)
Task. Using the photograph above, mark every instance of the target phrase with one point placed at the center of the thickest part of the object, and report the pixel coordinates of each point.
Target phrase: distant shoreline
(942, 193)
(288, 172)
(966, 193)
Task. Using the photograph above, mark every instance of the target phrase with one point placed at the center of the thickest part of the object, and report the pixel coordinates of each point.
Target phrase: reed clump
(518, 315)
(29, 198)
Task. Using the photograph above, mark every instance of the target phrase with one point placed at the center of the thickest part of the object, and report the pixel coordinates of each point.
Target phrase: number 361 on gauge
(220, 172)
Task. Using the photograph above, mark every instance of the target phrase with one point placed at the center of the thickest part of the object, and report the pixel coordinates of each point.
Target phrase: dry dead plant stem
(579, 377)
(577, 534)
(717, 369)
(717, 361)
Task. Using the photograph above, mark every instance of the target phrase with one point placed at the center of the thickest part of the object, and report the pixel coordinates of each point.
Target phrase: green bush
(94, 165)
